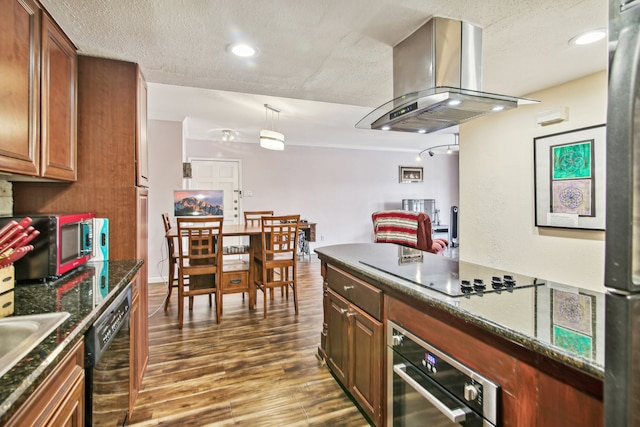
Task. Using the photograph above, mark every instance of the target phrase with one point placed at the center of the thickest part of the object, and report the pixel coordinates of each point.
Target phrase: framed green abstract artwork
(569, 170)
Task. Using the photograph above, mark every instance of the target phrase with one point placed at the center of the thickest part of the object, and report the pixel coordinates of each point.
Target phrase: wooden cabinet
(38, 90)
(107, 137)
(59, 401)
(535, 390)
(142, 333)
(354, 339)
(337, 344)
(58, 111)
(20, 86)
(108, 133)
(137, 353)
(142, 153)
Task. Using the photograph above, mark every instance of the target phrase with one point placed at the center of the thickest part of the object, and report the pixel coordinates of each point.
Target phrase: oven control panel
(439, 368)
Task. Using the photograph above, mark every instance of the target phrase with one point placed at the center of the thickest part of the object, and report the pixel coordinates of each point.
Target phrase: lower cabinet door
(354, 353)
(71, 411)
(338, 337)
(59, 400)
(366, 363)
(134, 351)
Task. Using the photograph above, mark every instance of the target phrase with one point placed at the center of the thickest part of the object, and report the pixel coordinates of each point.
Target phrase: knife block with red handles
(7, 280)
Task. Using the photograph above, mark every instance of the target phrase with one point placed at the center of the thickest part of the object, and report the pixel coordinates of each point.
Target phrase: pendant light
(269, 138)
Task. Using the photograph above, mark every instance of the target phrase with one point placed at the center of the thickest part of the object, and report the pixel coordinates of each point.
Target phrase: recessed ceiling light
(588, 37)
(385, 127)
(242, 49)
(498, 108)
(454, 102)
(422, 131)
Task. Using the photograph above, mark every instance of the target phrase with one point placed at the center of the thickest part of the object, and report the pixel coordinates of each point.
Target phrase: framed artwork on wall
(411, 174)
(198, 203)
(569, 179)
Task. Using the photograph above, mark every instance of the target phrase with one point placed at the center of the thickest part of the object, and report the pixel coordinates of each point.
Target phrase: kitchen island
(542, 342)
(84, 294)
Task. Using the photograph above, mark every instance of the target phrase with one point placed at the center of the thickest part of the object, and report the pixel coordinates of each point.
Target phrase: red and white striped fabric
(398, 226)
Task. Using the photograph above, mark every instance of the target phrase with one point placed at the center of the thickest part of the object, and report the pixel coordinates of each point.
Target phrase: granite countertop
(564, 323)
(85, 293)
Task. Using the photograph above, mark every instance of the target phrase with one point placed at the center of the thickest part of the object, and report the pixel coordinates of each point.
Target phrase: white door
(219, 175)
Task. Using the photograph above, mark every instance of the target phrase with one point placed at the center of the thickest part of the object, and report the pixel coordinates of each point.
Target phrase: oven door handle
(457, 415)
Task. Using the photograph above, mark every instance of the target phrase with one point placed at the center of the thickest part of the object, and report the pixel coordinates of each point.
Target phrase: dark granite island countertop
(85, 293)
(563, 323)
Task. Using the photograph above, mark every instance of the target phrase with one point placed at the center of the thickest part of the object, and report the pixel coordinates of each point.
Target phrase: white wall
(338, 189)
(497, 190)
(165, 170)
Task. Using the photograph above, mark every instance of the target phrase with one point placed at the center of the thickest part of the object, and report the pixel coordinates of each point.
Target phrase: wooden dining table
(255, 246)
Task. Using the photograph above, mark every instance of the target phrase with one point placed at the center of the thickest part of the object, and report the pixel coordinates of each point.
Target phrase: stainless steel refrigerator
(622, 248)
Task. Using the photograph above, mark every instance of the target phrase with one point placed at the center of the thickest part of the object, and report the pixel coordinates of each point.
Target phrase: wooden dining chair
(275, 266)
(199, 261)
(252, 218)
(172, 280)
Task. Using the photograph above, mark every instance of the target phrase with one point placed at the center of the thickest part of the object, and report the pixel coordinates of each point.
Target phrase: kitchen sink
(21, 334)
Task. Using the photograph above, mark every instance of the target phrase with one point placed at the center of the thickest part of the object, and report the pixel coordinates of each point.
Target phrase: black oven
(429, 387)
(107, 365)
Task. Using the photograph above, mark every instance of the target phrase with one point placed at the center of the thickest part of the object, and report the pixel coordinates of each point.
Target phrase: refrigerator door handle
(623, 149)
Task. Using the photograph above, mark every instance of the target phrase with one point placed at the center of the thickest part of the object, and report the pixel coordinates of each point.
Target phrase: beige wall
(6, 198)
(497, 190)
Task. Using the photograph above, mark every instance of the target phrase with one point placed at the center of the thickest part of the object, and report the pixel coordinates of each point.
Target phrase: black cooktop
(453, 278)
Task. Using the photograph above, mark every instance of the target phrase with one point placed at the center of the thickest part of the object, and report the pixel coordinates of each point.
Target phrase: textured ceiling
(332, 51)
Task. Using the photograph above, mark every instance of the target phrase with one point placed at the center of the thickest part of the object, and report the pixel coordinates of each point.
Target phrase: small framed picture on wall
(411, 174)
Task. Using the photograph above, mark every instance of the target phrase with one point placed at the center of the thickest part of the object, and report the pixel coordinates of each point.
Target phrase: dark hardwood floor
(245, 371)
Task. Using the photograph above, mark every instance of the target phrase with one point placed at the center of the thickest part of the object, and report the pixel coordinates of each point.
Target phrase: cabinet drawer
(235, 281)
(356, 291)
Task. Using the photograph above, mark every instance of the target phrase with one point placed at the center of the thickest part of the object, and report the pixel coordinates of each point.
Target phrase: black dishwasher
(107, 365)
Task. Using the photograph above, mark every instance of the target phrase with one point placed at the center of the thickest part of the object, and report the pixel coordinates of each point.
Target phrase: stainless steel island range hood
(437, 79)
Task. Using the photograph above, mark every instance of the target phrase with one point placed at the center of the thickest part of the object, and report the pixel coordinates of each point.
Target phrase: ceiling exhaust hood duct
(437, 81)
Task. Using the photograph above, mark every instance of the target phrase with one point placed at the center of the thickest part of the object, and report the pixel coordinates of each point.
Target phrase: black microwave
(65, 242)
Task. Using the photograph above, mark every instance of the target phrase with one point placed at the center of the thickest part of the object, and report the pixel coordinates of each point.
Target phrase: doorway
(208, 174)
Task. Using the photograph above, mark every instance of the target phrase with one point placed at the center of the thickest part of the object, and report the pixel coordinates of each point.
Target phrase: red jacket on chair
(407, 228)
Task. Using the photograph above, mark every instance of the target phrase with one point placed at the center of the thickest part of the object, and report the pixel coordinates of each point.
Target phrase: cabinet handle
(235, 281)
(343, 311)
(352, 314)
(348, 288)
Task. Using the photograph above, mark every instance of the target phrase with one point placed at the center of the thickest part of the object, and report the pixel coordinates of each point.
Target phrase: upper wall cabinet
(38, 94)
(112, 123)
(20, 86)
(58, 112)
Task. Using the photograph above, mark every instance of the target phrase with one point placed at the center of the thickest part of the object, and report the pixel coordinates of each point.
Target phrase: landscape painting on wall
(198, 203)
(570, 179)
